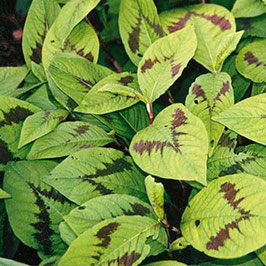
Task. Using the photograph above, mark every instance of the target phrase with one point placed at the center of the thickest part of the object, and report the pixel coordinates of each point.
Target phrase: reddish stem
(150, 112)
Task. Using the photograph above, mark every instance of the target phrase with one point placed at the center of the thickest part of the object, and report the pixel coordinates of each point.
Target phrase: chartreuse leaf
(99, 209)
(262, 254)
(66, 233)
(40, 18)
(10, 78)
(3, 194)
(213, 24)
(75, 75)
(248, 8)
(139, 27)
(175, 146)
(67, 138)
(179, 243)
(247, 118)
(59, 37)
(97, 172)
(38, 71)
(166, 263)
(208, 96)
(164, 61)
(155, 193)
(8, 262)
(106, 96)
(119, 241)
(40, 124)
(251, 61)
(35, 209)
(227, 218)
(12, 114)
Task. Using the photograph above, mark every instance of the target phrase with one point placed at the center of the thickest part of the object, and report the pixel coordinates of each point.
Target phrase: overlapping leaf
(40, 124)
(175, 146)
(251, 61)
(166, 263)
(208, 96)
(247, 118)
(227, 218)
(3, 194)
(164, 62)
(12, 114)
(75, 75)
(214, 27)
(139, 27)
(118, 241)
(67, 138)
(35, 209)
(41, 16)
(248, 8)
(106, 96)
(97, 172)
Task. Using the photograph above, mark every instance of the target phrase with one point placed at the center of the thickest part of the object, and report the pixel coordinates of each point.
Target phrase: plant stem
(150, 112)
(171, 98)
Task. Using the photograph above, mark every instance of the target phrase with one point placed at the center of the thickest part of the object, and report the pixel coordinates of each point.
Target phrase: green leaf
(41, 16)
(155, 192)
(75, 75)
(247, 118)
(164, 62)
(251, 61)
(227, 218)
(99, 209)
(248, 8)
(38, 71)
(166, 263)
(40, 124)
(213, 25)
(116, 241)
(35, 209)
(66, 233)
(175, 146)
(3, 194)
(208, 96)
(262, 254)
(7, 262)
(67, 138)
(258, 88)
(60, 33)
(10, 78)
(105, 96)
(12, 114)
(97, 172)
(178, 244)
(139, 27)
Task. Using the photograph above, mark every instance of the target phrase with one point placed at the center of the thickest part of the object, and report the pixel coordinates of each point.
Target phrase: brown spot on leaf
(126, 259)
(198, 91)
(104, 234)
(157, 27)
(180, 24)
(148, 146)
(252, 59)
(133, 38)
(224, 89)
(5, 154)
(226, 141)
(36, 56)
(263, 116)
(175, 70)
(126, 80)
(148, 64)
(137, 209)
(82, 129)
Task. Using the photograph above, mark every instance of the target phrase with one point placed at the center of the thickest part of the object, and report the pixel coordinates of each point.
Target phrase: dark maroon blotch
(126, 80)
(104, 234)
(148, 64)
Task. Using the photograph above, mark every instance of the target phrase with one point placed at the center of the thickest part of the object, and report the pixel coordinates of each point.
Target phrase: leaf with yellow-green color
(248, 8)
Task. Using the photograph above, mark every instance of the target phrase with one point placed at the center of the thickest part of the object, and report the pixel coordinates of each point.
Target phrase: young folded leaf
(227, 219)
(212, 24)
(155, 192)
(40, 124)
(164, 62)
(208, 96)
(247, 118)
(251, 61)
(41, 17)
(139, 27)
(248, 8)
(175, 146)
(117, 241)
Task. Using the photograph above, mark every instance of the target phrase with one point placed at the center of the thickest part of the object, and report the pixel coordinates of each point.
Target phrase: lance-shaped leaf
(35, 209)
(40, 124)
(117, 241)
(175, 146)
(251, 61)
(67, 138)
(59, 37)
(139, 27)
(97, 172)
(247, 118)
(166, 263)
(7, 262)
(164, 62)
(99, 209)
(38, 71)
(239, 83)
(227, 218)
(3, 194)
(10, 78)
(12, 114)
(248, 8)
(40, 18)
(112, 93)
(155, 192)
(208, 96)
(75, 75)
(212, 24)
